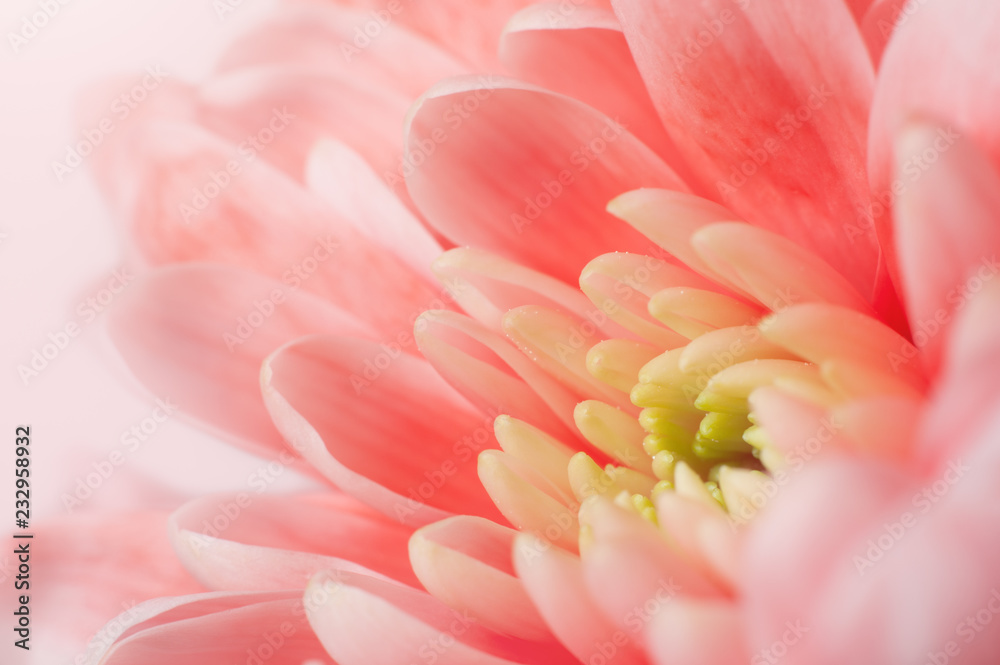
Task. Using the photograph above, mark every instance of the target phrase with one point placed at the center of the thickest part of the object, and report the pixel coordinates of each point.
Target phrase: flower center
(700, 365)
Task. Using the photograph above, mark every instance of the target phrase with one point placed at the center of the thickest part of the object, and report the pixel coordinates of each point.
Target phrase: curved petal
(465, 562)
(554, 580)
(968, 390)
(776, 271)
(493, 374)
(583, 54)
(525, 173)
(769, 103)
(819, 333)
(696, 632)
(211, 628)
(197, 334)
(251, 542)
(630, 569)
(366, 621)
(348, 406)
(947, 231)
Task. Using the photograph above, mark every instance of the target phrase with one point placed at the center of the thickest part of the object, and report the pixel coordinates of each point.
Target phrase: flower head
(670, 342)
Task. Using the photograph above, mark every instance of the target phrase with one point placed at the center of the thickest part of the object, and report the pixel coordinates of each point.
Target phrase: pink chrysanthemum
(606, 361)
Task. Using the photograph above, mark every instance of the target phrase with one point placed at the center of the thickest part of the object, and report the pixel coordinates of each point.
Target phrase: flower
(759, 357)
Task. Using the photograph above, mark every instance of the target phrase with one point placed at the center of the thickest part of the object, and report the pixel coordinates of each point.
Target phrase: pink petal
(777, 272)
(771, 120)
(947, 233)
(93, 566)
(196, 336)
(348, 406)
(704, 534)
(525, 173)
(818, 332)
(488, 286)
(528, 499)
(917, 80)
(901, 568)
(470, 35)
(967, 392)
(631, 564)
(245, 542)
(800, 430)
(670, 219)
(287, 108)
(696, 632)
(558, 343)
(465, 562)
(212, 628)
(340, 177)
(554, 580)
(326, 36)
(583, 54)
(367, 621)
(804, 546)
(253, 216)
(493, 374)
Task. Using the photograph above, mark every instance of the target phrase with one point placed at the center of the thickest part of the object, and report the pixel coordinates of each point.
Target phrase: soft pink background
(62, 246)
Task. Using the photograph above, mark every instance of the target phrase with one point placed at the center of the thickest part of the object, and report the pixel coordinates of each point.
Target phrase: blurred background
(60, 250)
